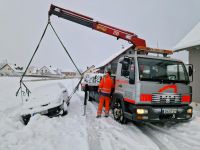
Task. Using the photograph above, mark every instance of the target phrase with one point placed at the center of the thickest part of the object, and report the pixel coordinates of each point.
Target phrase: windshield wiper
(168, 81)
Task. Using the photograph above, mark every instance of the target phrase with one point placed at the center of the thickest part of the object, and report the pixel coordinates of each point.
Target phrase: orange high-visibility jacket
(106, 84)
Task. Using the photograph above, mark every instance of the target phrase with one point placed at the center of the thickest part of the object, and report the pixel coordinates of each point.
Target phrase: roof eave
(181, 49)
(103, 65)
(187, 48)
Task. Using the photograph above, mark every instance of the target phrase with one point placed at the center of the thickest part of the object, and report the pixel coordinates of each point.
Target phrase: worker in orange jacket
(105, 88)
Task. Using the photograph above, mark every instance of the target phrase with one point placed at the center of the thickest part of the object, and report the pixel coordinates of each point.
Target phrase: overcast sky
(22, 22)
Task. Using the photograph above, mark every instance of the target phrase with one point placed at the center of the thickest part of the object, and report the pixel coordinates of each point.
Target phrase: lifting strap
(27, 91)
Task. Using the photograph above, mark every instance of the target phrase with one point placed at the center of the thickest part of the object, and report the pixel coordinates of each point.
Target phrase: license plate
(169, 111)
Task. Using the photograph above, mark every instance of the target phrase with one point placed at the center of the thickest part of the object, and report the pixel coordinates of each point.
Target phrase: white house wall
(7, 70)
(194, 58)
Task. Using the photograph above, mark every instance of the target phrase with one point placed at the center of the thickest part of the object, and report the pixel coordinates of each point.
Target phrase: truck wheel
(118, 112)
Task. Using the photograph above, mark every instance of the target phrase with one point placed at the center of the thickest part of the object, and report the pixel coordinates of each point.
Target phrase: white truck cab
(151, 88)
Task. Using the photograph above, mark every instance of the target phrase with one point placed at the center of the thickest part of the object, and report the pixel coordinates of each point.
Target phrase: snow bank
(78, 132)
(41, 133)
(8, 88)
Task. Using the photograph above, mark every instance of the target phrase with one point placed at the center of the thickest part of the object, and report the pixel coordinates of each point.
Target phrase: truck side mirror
(125, 73)
(131, 81)
(125, 67)
(190, 70)
(132, 74)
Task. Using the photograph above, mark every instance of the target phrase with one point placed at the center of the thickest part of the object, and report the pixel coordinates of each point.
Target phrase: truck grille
(166, 98)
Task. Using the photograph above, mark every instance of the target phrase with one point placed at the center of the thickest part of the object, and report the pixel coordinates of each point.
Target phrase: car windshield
(162, 70)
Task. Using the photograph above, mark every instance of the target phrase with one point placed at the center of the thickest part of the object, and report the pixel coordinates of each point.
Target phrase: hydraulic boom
(101, 27)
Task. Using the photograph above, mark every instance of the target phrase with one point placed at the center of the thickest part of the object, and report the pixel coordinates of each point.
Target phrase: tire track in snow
(93, 133)
(176, 137)
(152, 137)
(122, 137)
(93, 130)
(142, 133)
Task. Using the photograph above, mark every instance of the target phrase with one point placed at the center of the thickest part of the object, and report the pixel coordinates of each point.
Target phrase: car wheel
(25, 119)
(64, 109)
(64, 113)
(118, 112)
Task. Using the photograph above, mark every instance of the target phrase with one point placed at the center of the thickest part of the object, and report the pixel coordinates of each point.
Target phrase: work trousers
(103, 99)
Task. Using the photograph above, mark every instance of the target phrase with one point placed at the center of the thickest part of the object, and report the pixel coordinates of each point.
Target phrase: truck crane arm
(101, 27)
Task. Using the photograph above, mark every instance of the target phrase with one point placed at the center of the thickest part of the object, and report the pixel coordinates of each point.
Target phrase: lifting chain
(22, 85)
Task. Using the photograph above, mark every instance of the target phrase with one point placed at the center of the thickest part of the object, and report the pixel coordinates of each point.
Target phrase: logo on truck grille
(166, 98)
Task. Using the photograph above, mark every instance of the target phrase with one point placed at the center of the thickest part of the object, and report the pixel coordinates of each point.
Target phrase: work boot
(106, 115)
(98, 116)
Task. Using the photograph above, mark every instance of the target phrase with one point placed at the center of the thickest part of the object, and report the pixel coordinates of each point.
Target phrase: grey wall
(194, 58)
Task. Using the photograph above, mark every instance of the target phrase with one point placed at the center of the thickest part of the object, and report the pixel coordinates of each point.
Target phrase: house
(111, 62)
(191, 43)
(32, 71)
(49, 71)
(11, 70)
(43, 71)
(91, 69)
(69, 73)
(7, 70)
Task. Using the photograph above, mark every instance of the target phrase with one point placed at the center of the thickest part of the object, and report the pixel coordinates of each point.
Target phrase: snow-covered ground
(77, 132)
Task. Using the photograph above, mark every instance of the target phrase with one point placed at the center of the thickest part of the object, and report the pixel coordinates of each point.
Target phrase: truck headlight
(189, 111)
(141, 111)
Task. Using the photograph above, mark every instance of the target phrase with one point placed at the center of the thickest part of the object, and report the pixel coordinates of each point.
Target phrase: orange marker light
(146, 97)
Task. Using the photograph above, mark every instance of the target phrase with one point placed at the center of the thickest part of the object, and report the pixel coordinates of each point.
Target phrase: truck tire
(117, 110)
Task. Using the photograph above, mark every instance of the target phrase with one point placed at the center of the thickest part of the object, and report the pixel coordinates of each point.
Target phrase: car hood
(45, 96)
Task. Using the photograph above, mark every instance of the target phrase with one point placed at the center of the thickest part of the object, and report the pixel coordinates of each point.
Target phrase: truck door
(125, 80)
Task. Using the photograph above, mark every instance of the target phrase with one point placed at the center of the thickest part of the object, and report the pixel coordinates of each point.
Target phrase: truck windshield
(162, 71)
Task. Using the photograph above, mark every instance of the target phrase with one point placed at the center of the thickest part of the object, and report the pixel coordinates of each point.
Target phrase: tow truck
(147, 88)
